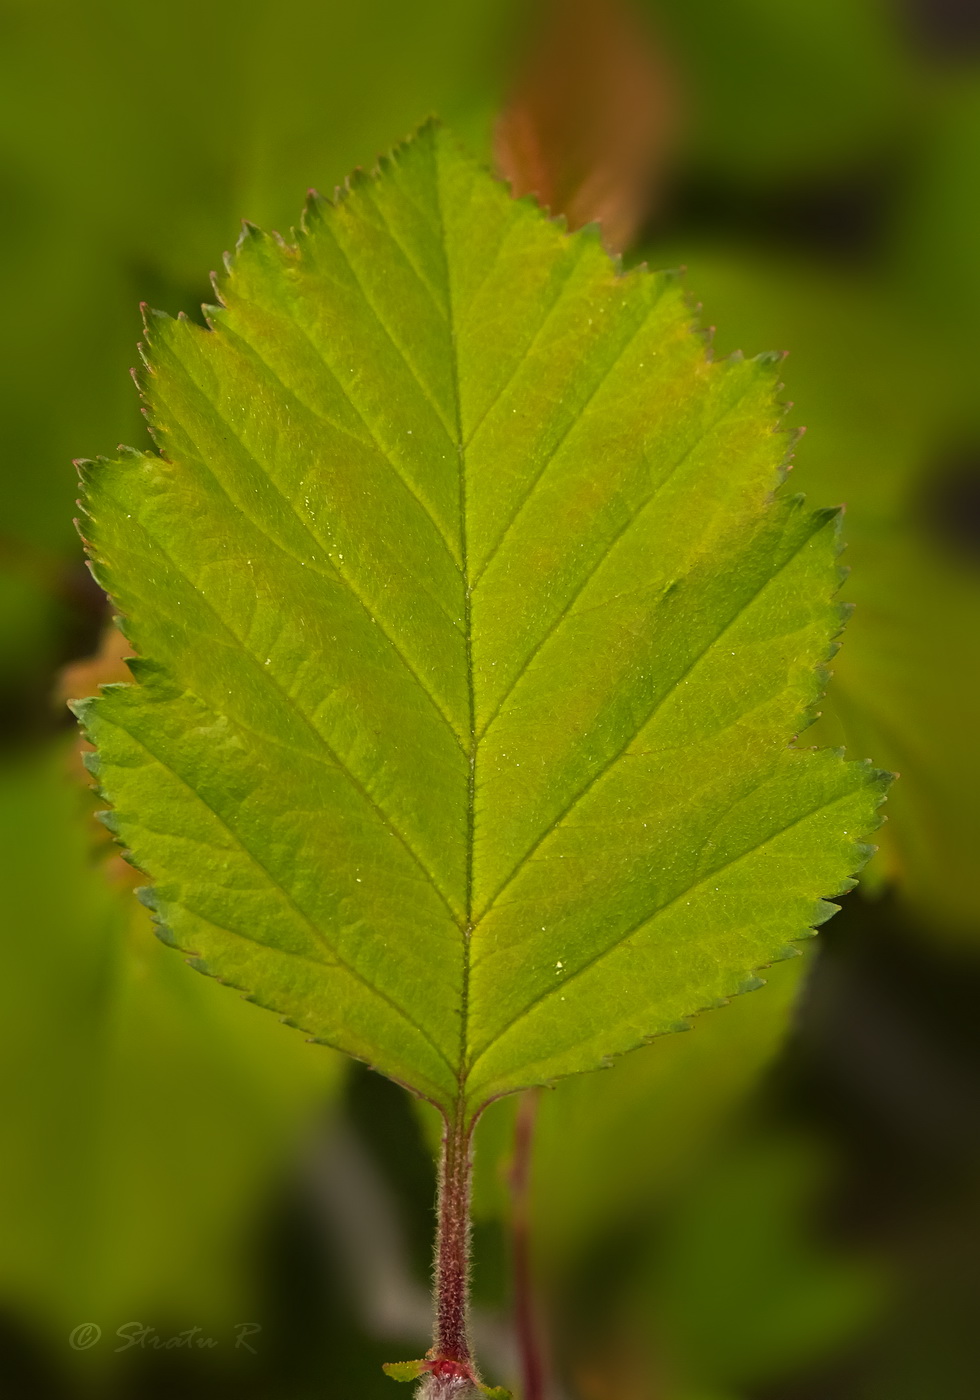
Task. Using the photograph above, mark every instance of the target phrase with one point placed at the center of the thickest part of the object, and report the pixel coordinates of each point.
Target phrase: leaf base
(443, 1379)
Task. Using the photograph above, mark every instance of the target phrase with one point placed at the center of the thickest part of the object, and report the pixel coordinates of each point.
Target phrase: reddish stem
(452, 1266)
(525, 1310)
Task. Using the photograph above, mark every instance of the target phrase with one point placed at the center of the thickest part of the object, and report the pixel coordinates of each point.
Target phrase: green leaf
(613, 1148)
(475, 632)
(740, 1289)
(405, 1370)
(412, 1370)
(153, 1113)
(906, 691)
(774, 65)
(883, 398)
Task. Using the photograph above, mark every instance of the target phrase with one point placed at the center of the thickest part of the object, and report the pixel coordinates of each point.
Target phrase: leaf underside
(474, 632)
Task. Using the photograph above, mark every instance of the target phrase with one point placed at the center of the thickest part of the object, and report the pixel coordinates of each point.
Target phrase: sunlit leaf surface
(476, 631)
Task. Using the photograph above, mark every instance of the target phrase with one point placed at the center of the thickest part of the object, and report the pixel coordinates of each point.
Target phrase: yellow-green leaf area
(476, 628)
(405, 1370)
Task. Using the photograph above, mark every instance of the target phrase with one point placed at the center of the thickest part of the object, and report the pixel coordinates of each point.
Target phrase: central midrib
(472, 740)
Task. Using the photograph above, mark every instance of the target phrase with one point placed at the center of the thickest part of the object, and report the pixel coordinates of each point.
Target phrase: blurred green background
(783, 1204)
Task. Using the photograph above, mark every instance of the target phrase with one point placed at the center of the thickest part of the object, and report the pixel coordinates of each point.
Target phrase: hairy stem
(525, 1311)
(452, 1265)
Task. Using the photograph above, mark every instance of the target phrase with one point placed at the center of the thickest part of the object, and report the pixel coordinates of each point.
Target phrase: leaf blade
(461, 560)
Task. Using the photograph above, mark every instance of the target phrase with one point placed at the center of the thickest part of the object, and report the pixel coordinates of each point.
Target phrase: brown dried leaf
(108, 665)
(589, 126)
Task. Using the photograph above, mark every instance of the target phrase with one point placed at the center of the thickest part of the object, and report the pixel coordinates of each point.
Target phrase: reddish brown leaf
(590, 123)
(83, 677)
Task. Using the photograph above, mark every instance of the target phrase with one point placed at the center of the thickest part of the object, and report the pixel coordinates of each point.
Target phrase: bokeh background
(783, 1204)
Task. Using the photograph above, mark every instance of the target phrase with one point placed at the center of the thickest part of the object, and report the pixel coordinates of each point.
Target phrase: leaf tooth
(250, 233)
(145, 369)
(153, 316)
(80, 708)
(124, 624)
(128, 856)
(144, 669)
(161, 929)
(428, 131)
(431, 127)
(752, 983)
(773, 358)
(88, 468)
(313, 210)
